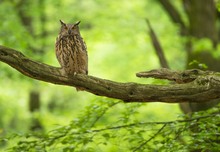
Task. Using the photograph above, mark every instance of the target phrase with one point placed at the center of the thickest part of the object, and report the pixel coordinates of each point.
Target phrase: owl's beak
(69, 31)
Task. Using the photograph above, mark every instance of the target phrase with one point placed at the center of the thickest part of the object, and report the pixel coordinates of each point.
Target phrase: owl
(71, 50)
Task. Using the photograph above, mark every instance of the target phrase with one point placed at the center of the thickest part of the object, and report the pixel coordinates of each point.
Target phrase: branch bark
(199, 87)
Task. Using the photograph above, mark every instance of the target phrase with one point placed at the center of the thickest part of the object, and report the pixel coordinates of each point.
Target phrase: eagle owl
(71, 50)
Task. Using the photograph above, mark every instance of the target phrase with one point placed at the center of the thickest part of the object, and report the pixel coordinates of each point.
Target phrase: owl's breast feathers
(72, 54)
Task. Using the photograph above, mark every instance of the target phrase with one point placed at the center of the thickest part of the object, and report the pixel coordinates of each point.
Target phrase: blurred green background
(118, 46)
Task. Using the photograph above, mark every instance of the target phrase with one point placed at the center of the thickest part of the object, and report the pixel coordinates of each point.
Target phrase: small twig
(103, 112)
(146, 141)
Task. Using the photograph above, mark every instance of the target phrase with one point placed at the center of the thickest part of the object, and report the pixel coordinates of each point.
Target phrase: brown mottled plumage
(71, 50)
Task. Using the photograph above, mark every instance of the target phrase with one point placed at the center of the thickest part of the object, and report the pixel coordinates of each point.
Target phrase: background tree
(201, 32)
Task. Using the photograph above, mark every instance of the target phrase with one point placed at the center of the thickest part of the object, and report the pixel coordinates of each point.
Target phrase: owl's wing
(83, 56)
(58, 51)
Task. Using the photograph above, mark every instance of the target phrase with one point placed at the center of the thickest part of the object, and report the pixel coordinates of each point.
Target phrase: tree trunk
(34, 106)
(202, 25)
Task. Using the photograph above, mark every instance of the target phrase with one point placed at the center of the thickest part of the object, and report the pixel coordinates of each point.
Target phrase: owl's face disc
(69, 29)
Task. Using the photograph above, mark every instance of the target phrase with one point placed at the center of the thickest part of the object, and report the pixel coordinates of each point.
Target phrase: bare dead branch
(158, 49)
(203, 87)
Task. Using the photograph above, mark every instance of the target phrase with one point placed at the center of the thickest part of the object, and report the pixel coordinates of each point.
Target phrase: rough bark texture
(199, 87)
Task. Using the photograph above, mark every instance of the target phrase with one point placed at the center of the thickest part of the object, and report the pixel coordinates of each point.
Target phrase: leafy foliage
(198, 64)
(89, 133)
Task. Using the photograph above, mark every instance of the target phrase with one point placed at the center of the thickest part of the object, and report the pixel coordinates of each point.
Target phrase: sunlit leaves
(199, 131)
(197, 64)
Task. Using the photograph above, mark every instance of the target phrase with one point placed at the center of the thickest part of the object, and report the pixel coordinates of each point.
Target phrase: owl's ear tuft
(62, 23)
(77, 23)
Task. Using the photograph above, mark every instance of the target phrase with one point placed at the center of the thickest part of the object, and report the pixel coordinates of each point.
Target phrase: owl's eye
(65, 27)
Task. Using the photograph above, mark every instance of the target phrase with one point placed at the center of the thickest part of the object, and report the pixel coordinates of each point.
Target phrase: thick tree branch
(204, 85)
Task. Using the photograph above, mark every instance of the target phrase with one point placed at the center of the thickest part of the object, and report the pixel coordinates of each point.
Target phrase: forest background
(118, 44)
